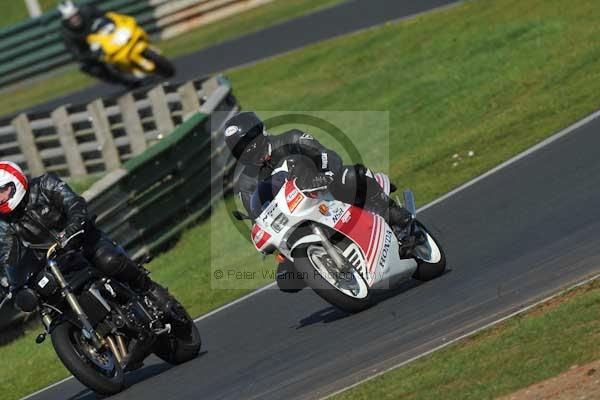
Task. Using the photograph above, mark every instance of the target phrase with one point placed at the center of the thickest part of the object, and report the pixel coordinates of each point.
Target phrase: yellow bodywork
(123, 45)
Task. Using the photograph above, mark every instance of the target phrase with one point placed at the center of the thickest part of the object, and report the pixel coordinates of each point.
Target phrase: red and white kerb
(10, 172)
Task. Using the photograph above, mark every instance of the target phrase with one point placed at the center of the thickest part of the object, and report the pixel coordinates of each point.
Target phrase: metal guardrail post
(106, 142)
(133, 124)
(67, 139)
(160, 109)
(28, 145)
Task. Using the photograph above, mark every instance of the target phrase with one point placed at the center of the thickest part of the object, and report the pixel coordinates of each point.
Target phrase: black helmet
(246, 137)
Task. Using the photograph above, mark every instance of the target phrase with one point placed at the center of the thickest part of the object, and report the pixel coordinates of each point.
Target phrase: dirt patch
(579, 382)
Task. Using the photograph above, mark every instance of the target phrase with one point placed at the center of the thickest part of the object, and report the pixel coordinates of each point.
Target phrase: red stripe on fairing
(16, 173)
(373, 236)
(358, 228)
(375, 253)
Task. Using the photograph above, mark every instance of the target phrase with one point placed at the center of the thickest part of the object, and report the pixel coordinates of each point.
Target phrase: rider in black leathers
(76, 25)
(311, 163)
(50, 212)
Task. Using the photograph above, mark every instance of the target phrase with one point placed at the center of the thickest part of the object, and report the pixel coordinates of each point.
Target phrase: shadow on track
(131, 379)
(325, 316)
(332, 314)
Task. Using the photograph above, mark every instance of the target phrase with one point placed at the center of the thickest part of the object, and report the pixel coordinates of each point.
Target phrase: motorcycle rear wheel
(100, 372)
(333, 295)
(183, 343)
(429, 269)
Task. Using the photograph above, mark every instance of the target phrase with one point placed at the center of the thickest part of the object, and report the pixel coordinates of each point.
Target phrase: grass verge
(492, 77)
(526, 349)
(27, 94)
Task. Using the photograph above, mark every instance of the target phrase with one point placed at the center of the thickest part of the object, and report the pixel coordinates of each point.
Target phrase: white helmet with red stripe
(13, 186)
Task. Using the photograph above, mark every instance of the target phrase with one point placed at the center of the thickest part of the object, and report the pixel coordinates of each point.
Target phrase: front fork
(88, 331)
(329, 248)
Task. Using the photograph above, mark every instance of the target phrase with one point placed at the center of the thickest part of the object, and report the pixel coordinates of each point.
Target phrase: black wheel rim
(103, 362)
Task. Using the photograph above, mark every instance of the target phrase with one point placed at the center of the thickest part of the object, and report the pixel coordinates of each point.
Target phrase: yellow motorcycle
(122, 44)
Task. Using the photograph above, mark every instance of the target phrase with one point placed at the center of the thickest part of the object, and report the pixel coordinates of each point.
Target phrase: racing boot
(396, 216)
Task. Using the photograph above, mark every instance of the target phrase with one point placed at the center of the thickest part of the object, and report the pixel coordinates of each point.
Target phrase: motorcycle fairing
(116, 50)
(375, 239)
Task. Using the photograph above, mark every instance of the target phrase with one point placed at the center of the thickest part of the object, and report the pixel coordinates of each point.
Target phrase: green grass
(493, 77)
(15, 11)
(27, 94)
(501, 360)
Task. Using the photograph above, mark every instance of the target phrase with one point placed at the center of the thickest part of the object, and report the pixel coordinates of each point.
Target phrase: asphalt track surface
(338, 20)
(520, 234)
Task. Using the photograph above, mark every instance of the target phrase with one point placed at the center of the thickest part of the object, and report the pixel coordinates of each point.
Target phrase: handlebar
(57, 246)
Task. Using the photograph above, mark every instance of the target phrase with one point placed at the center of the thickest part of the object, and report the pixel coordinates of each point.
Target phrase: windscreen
(265, 193)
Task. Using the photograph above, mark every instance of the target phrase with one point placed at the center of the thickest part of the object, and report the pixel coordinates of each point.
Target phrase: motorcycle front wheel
(347, 290)
(164, 67)
(99, 371)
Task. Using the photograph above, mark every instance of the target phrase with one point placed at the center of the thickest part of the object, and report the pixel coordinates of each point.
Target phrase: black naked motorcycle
(100, 328)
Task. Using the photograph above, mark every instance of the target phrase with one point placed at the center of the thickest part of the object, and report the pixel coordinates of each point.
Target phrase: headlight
(279, 223)
(121, 36)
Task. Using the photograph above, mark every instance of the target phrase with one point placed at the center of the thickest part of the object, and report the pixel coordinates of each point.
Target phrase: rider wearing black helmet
(262, 155)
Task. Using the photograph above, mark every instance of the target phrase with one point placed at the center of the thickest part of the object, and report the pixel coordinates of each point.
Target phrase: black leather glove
(321, 180)
(68, 238)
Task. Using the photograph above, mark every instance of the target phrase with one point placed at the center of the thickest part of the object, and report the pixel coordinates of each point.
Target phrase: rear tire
(164, 67)
(427, 271)
(183, 343)
(323, 288)
(74, 358)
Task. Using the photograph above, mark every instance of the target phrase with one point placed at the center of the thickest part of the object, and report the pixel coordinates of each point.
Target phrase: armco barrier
(35, 46)
(77, 140)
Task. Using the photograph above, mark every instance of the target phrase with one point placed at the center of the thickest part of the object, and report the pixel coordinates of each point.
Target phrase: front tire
(164, 67)
(324, 288)
(101, 373)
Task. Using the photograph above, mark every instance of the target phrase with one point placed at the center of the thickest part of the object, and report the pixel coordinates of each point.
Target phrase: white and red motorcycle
(344, 253)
